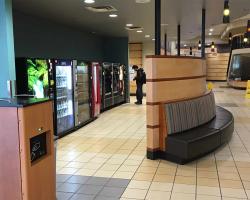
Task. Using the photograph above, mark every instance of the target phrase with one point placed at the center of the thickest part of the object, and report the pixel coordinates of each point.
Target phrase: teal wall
(7, 61)
(37, 37)
(115, 49)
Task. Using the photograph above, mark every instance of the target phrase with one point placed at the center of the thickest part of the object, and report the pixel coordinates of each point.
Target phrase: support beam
(203, 33)
(157, 27)
(179, 40)
(165, 44)
(7, 57)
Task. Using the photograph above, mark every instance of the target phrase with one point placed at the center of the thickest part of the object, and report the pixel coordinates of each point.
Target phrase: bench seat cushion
(194, 143)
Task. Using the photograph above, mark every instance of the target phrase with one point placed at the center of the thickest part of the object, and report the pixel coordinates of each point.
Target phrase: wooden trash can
(27, 155)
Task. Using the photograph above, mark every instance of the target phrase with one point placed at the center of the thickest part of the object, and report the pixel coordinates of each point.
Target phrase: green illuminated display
(38, 81)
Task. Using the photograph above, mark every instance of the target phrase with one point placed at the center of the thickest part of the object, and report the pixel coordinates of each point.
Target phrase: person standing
(140, 79)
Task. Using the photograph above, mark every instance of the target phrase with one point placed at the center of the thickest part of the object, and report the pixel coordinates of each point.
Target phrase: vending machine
(107, 85)
(48, 78)
(82, 96)
(96, 88)
(63, 99)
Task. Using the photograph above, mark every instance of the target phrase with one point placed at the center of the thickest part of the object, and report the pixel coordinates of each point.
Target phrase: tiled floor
(106, 160)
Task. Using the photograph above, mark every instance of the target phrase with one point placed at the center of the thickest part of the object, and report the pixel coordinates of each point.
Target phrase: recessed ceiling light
(129, 25)
(153, 39)
(211, 29)
(89, 1)
(208, 44)
(209, 33)
(113, 15)
(142, 1)
(147, 36)
(139, 31)
(185, 45)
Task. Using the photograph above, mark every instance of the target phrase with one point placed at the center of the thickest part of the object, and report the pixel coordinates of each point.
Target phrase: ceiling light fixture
(245, 38)
(185, 45)
(113, 15)
(139, 31)
(230, 37)
(211, 29)
(147, 36)
(226, 12)
(210, 33)
(89, 1)
(212, 47)
(153, 39)
(129, 25)
(199, 45)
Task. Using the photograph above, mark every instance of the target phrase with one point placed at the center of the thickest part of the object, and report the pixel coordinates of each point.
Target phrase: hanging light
(212, 47)
(230, 38)
(199, 45)
(245, 40)
(226, 12)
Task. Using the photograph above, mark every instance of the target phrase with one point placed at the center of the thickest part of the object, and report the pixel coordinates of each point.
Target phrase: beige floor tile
(85, 172)
(229, 176)
(205, 190)
(158, 195)
(104, 173)
(61, 163)
(208, 182)
(183, 188)
(166, 170)
(75, 165)
(164, 178)
(207, 174)
(150, 170)
(186, 172)
(231, 184)
(143, 177)
(185, 180)
(107, 167)
(246, 185)
(134, 193)
(128, 168)
(182, 196)
(144, 185)
(124, 175)
(235, 193)
(159, 186)
(207, 197)
(67, 170)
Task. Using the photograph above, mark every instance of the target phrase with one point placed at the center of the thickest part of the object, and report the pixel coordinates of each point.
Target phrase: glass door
(82, 93)
(64, 96)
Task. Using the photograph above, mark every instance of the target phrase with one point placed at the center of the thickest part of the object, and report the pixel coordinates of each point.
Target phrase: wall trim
(175, 78)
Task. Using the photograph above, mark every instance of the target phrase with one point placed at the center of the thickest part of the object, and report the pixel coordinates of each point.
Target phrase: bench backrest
(188, 114)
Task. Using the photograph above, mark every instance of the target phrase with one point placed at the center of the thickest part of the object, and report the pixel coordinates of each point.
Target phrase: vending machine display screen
(38, 78)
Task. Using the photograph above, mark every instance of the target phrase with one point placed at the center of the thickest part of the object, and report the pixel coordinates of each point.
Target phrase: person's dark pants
(139, 93)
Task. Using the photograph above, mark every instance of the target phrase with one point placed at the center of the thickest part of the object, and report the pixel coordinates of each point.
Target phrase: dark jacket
(140, 77)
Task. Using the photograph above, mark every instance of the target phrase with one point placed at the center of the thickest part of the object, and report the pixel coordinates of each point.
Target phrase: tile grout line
(173, 182)
(218, 175)
(152, 180)
(238, 172)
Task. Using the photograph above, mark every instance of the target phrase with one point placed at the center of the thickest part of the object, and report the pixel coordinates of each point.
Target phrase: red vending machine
(96, 89)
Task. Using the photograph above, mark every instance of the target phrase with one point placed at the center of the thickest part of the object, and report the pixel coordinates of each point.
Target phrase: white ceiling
(185, 12)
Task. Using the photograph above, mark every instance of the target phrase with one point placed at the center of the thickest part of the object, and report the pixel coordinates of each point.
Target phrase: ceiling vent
(133, 28)
(101, 9)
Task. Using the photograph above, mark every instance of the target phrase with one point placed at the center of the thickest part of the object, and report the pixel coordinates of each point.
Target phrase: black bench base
(184, 147)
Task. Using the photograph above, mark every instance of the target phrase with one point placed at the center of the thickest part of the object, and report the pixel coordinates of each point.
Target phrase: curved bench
(195, 127)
